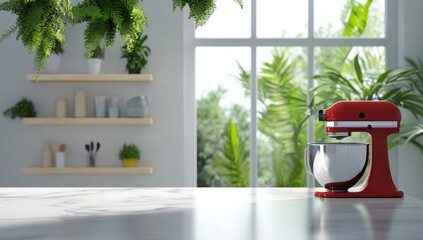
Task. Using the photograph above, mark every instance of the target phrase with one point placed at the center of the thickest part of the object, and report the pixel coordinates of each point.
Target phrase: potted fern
(137, 57)
(94, 62)
(106, 18)
(200, 10)
(53, 62)
(38, 25)
(129, 155)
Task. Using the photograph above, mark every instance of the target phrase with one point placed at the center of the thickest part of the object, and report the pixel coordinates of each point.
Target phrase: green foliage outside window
(282, 99)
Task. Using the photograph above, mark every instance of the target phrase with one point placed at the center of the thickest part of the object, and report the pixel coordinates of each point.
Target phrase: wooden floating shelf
(91, 78)
(88, 121)
(88, 171)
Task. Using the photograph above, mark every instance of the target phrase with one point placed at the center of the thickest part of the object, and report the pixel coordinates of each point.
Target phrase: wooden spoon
(62, 147)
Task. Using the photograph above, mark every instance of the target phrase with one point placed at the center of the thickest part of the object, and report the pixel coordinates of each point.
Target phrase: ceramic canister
(80, 104)
(61, 108)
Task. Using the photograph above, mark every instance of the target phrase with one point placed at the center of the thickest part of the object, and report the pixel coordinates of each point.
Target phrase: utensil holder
(91, 161)
(60, 159)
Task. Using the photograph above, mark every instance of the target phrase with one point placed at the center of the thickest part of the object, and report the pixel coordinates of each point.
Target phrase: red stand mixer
(377, 118)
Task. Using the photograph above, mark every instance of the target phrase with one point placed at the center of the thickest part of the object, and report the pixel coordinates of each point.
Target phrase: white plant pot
(94, 65)
(53, 63)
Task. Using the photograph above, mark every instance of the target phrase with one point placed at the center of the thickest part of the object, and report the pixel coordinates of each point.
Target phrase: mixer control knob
(322, 114)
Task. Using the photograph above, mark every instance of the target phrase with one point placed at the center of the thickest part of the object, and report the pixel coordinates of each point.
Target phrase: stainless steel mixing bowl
(336, 166)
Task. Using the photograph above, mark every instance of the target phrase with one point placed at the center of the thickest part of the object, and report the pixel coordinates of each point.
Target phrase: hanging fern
(105, 18)
(38, 25)
(200, 10)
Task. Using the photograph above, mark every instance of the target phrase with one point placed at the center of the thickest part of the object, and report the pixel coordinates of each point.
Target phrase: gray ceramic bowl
(336, 166)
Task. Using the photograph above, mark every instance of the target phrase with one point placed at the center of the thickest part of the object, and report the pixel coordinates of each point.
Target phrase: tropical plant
(129, 151)
(212, 121)
(23, 108)
(105, 18)
(39, 24)
(393, 85)
(409, 133)
(417, 78)
(200, 10)
(397, 85)
(232, 161)
(137, 58)
(282, 115)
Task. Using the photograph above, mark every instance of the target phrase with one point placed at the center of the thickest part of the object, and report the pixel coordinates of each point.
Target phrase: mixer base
(362, 194)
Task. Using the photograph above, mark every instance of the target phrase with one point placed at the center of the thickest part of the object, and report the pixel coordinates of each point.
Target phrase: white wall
(161, 144)
(410, 161)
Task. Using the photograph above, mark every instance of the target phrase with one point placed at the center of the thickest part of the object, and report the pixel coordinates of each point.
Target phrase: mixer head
(345, 117)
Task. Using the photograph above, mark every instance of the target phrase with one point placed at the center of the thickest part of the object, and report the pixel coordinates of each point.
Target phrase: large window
(254, 90)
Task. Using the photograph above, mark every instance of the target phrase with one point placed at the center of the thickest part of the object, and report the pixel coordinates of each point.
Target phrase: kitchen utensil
(62, 147)
(91, 153)
(336, 166)
(377, 118)
(87, 147)
(98, 147)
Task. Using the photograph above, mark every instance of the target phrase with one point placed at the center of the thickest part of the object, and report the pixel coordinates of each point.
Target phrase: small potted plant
(94, 61)
(137, 58)
(23, 108)
(53, 62)
(129, 155)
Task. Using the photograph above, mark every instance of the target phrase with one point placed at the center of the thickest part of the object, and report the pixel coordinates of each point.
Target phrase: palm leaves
(232, 161)
(282, 114)
(392, 85)
(39, 25)
(354, 18)
(400, 86)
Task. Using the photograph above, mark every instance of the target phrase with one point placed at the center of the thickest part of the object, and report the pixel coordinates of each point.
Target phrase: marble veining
(202, 213)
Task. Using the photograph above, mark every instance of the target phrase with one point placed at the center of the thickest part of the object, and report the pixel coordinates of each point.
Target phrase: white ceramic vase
(53, 63)
(94, 65)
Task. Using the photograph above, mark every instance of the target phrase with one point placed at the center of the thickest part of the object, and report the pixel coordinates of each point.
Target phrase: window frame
(389, 41)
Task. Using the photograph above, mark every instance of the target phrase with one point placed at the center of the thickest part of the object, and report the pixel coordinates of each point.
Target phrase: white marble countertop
(203, 213)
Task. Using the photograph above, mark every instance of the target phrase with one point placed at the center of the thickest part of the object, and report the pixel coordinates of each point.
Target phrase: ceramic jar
(113, 107)
(80, 104)
(100, 106)
(61, 108)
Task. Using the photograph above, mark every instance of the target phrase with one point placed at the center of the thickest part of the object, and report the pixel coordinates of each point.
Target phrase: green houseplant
(23, 108)
(137, 58)
(200, 10)
(38, 25)
(129, 155)
(94, 62)
(53, 62)
(400, 86)
(105, 18)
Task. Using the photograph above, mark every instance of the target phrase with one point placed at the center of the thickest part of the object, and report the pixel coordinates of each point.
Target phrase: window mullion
(253, 87)
(310, 82)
